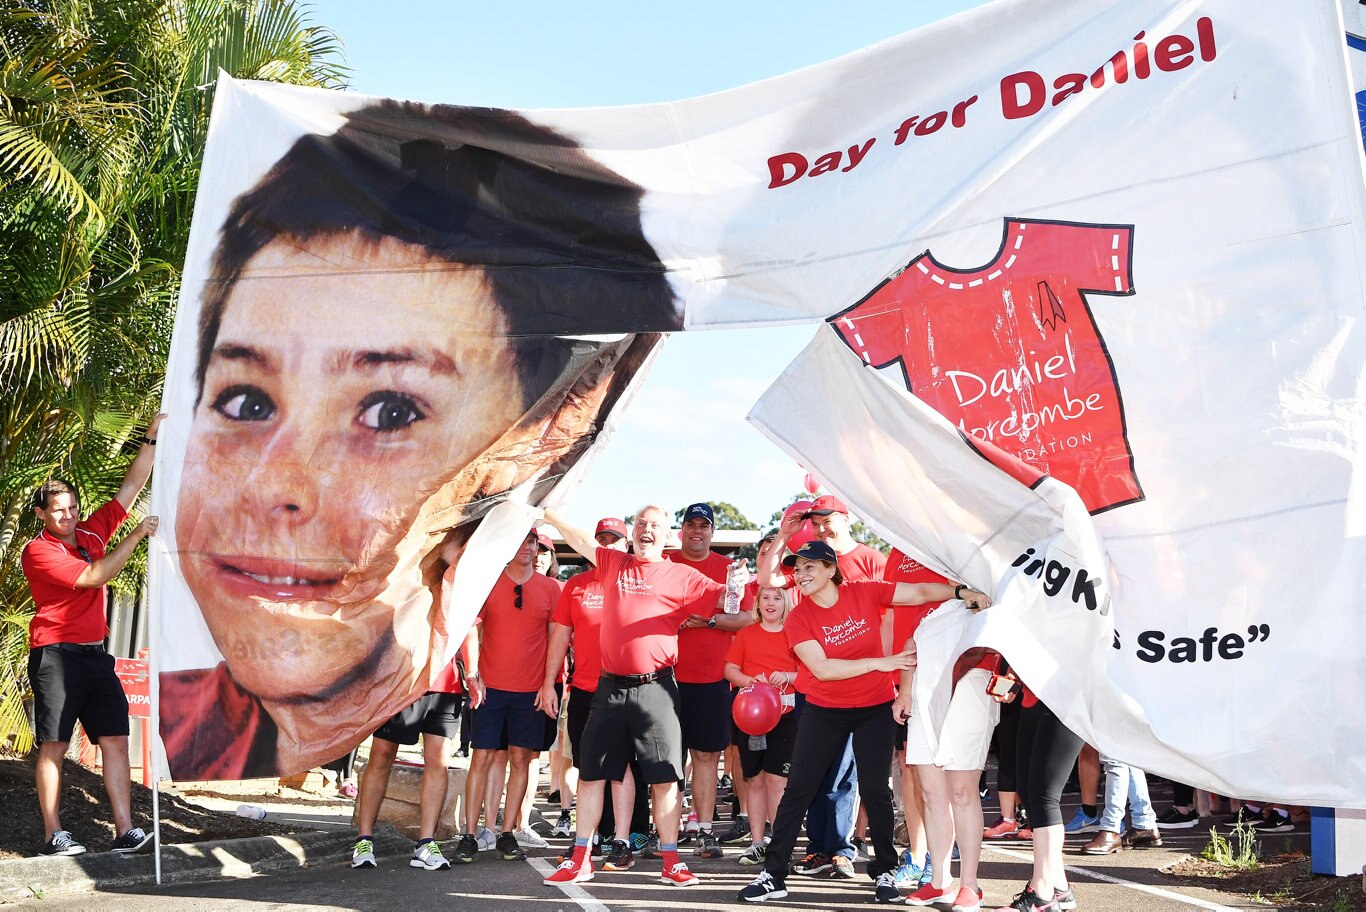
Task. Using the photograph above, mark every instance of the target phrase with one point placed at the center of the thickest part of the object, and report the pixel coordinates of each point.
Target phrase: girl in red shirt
(835, 632)
(760, 652)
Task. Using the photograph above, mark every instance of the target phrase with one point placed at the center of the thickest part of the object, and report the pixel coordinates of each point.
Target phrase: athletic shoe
(754, 855)
(688, 831)
(930, 895)
(348, 789)
(1028, 901)
(738, 832)
(638, 841)
(135, 840)
(617, 856)
(62, 843)
(860, 848)
(553, 798)
(508, 847)
(927, 871)
(1082, 822)
(564, 826)
(764, 888)
(812, 865)
(651, 847)
(363, 854)
(426, 855)
(1177, 820)
(486, 838)
(1023, 834)
(1274, 822)
(967, 900)
(678, 876)
(528, 838)
(907, 874)
(1001, 829)
(568, 873)
(884, 888)
(725, 781)
(1066, 899)
(466, 849)
(1244, 817)
(707, 846)
(841, 868)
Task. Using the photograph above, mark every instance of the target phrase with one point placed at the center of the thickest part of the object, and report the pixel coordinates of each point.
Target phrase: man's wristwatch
(147, 440)
(958, 591)
(711, 622)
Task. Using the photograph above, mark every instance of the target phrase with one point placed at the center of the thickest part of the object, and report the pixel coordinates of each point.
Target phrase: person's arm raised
(574, 537)
(141, 469)
(106, 568)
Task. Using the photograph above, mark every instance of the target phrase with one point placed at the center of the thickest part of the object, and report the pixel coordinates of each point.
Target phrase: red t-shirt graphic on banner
(1009, 351)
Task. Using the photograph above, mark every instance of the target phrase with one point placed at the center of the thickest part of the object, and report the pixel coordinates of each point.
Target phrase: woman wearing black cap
(835, 632)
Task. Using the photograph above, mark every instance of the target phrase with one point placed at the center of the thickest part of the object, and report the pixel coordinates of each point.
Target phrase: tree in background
(857, 528)
(727, 516)
(103, 117)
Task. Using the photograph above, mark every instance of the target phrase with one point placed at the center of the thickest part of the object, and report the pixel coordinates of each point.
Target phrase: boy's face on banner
(349, 380)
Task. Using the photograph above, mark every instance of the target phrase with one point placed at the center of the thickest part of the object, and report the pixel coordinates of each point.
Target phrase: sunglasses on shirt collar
(85, 555)
(517, 595)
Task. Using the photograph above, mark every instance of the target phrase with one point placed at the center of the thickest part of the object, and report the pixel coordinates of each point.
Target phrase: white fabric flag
(1072, 623)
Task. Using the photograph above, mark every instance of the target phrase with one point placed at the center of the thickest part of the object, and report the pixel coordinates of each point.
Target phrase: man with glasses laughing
(67, 567)
(514, 634)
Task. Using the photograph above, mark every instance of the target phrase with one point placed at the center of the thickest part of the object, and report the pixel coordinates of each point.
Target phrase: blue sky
(558, 55)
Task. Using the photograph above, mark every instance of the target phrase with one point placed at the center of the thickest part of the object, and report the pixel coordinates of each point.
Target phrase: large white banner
(1120, 240)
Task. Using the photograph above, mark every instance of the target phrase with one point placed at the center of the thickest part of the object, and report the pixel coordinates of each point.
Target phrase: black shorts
(640, 720)
(580, 702)
(68, 686)
(776, 757)
(704, 713)
(899, 739)
(431, 714)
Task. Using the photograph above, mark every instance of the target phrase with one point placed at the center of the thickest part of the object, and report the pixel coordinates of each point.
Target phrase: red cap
(544, 541)
(610, 524)
(827, 504)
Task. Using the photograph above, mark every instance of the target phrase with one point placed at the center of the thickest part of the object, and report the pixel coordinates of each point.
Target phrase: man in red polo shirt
(514, 634)
(72, 675)
(703, 691)
(645, 600)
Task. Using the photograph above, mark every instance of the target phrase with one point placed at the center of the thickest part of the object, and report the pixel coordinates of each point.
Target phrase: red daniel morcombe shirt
(66, 614)
(643, 604)
(848, 629)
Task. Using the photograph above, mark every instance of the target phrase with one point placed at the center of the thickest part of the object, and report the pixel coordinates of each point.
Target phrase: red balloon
(804, 534)
(811, 484)
(757, 708)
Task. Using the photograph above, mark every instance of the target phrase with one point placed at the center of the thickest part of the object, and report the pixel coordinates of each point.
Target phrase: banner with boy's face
(1120, 242)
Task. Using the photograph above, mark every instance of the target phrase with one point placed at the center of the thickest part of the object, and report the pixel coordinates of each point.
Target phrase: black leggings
(821, 736)
(1007, 747)
(1044, 760)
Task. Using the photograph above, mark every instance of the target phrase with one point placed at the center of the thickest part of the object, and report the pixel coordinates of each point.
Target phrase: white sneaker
(486, 838)
(428, 855)
(529, 839)
(563, 827)
(363, 854)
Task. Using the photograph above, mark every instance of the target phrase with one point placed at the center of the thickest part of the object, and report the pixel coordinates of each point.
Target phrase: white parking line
(575, 892)
(1119, 882)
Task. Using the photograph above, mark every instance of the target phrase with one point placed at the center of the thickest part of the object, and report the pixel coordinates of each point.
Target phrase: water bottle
(252, 811)
(732, 603)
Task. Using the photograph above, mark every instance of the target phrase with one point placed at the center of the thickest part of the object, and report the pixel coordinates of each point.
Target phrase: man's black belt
(78, 647)
(635, 680)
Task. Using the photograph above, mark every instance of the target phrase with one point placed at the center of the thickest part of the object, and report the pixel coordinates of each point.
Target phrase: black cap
(813, 550)
(701, 510)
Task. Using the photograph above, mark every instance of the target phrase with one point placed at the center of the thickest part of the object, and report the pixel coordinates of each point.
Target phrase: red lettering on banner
(1009, 351)
(137, 686)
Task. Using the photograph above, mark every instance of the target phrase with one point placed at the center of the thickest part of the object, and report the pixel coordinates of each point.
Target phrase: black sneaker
(1244, 817)
(618, 856)
(884, 888)
(62, 843)
(1274, 822)
(813, 865)
(466, 849)
(1028, 901)
(764, 888)
(739, 832)
(508, 847)
(707, 846)
(135, 840)
(651, 849)
(1177, 820)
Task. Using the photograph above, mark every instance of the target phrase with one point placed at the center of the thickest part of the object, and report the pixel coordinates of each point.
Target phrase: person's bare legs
(117, 780)
(934, 787)
(47, 779)
(1010, 802)
(739, 785)
(623, 805)
(374, 783)
(704, 778)
(519, 771)
(1088, 775)
(913, 810)
(758, 806)
(493, 790)
(1049, 872)
(591, 794)
(434, 783)
(665, 807)
(476, 787)
(966, 801)
(569, 785)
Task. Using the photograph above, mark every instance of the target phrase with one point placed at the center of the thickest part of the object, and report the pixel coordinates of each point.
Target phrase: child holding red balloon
(760, 654)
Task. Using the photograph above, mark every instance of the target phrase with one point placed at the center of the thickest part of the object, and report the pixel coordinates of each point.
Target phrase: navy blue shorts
(509, 719)
(704, 715)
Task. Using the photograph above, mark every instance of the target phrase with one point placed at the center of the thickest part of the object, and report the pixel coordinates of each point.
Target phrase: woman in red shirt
(835, 631)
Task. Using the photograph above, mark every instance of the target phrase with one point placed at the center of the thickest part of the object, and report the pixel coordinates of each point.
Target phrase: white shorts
(966, 734)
